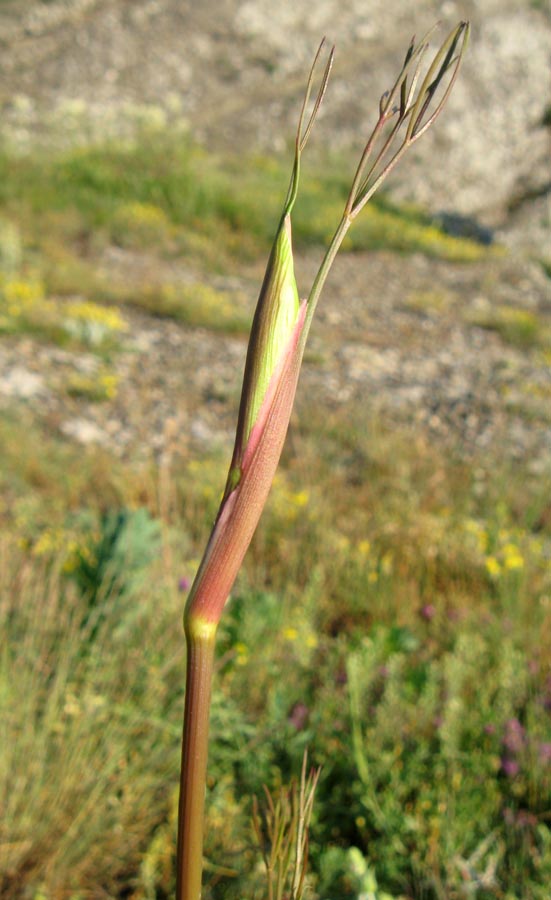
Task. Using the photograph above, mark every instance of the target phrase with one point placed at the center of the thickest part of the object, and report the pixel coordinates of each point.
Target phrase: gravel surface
(393, 334)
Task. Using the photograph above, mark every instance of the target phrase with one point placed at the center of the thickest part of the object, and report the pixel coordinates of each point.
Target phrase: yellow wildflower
(86, 311)
(342, 542)
(242, 652)
(512, 558)
(109, 383)
(19, 294)
(493, 567)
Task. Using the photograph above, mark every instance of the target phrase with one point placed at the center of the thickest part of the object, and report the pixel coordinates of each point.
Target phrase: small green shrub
(519, 327)
(140, 225)
(112, 562)
(97, 388)
(197, 305)
(439, 729)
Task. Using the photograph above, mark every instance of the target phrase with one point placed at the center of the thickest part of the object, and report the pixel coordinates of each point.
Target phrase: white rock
(84, 431)
(19, 382)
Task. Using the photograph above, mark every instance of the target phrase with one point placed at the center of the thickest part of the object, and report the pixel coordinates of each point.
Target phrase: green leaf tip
(273, 322)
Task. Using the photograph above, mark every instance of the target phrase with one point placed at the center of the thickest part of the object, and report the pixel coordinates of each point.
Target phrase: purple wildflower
(299, 716)
(526, 819)
(509, 816)
(510, 767)
(428, 612)
(544, 752)
(533, 667)
(523, 818)
(514, 738)
(341, 677)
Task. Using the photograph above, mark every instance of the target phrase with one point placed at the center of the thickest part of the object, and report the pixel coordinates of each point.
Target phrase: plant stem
(323, 272)
(200, 639)
(276, 347)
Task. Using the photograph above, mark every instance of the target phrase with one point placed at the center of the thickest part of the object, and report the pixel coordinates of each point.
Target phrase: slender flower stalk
(278, 337)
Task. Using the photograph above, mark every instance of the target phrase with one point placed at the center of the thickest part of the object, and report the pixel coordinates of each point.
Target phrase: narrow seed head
(407, 110)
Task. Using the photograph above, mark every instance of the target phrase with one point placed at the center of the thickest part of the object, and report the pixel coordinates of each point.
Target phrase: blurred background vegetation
(394, 612)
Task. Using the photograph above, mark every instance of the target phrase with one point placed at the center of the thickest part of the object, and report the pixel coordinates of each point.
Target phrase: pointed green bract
(275, 317)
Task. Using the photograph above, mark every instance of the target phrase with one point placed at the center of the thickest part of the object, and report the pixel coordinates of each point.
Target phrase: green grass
(93, 736)
(520, 327)
(162, 192)
(393, 616)
(197, 305)
(160, 199)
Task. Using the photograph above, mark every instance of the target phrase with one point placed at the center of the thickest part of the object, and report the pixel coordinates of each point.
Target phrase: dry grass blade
(281, 830)
(302, 138)
(308, 785)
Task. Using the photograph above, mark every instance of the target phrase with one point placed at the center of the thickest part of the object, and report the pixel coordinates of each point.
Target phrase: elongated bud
(274, 319)
(241, 506)
(269, 386)
(278, 303)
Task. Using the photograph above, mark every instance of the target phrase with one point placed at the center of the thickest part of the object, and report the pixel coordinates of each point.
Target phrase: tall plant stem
(200, 639)
(279, 331)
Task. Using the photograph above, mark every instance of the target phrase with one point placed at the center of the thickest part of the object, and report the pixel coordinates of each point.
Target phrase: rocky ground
(402, 335)
(394, 337)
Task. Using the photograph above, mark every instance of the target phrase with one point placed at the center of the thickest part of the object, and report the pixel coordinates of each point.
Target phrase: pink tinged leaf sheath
(242, 506)
(273, 323)
(278, 303)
